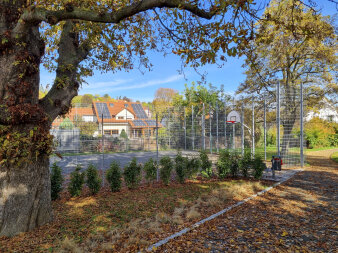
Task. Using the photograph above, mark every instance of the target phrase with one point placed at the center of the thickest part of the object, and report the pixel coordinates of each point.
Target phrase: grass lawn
(131, 219)
(334, 157)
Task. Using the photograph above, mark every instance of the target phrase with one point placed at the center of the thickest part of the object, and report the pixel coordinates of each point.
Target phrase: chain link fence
(265, 124)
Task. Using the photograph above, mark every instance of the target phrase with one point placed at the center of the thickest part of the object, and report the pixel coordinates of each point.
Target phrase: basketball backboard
(234, 117)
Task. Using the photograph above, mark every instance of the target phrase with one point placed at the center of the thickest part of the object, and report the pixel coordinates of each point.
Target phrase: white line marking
(197, 224)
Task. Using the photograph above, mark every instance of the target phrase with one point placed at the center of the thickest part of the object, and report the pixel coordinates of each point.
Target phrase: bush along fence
(228, 165)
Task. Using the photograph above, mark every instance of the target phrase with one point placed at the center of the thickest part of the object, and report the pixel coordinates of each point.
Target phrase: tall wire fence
(265, 124)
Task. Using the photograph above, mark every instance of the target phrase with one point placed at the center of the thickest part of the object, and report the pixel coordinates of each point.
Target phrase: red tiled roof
(117, 107)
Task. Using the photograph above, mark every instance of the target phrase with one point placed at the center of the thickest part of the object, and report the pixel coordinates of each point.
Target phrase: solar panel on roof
(102, 110)
(151, 122)
(140, 113)
(138, 123)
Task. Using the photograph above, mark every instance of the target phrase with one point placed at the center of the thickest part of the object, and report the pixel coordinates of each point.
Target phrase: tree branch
(66, 83)
(34, 15)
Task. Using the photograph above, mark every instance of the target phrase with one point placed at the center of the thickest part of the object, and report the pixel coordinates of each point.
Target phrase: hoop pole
(185, 131)
(301, 127)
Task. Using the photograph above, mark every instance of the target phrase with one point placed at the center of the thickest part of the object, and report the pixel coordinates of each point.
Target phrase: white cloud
(149, 83)
(104, 85)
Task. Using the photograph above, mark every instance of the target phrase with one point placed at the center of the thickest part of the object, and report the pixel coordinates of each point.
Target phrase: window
(107, 132)
(120, 117)
(111, 105)
(114, 131)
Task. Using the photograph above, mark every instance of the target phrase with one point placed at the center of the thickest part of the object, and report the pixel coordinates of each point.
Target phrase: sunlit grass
(334, 157)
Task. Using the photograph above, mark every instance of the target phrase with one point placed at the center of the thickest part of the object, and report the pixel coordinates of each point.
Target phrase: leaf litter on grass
(129, 220)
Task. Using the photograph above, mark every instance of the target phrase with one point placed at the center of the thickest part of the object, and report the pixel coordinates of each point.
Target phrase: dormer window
(111, 105)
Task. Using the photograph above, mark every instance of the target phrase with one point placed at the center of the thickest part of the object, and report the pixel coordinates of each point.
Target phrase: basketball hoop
(233, 117)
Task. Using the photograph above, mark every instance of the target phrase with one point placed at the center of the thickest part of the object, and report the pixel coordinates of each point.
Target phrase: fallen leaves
(294, 217)
(129, 220)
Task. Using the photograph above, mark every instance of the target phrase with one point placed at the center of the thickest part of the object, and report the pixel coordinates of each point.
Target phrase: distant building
(327, 112)
(114, 117)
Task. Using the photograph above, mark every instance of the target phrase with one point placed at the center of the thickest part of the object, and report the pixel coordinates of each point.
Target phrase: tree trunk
(287, 134)
(25, 200)
(25, 143)
(289, 115)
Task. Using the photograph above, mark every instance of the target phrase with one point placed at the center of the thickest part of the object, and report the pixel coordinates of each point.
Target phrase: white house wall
(116, 126)
(325, 114)
(123, 114)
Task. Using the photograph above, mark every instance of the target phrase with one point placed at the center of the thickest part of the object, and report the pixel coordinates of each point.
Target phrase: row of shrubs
(235, 165)
(228, 164)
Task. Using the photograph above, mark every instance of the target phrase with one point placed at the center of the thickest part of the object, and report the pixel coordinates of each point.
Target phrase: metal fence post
(278, 119)
(253, 127)
(217, 146)
(185, 130)
(203, 126)
(225, 126)
(169, 140)
(233, 129)
(264, 127)
(210, 132)
(301, 127)
(192, 127)
(157, 164)
(102, 161)
(242, 128)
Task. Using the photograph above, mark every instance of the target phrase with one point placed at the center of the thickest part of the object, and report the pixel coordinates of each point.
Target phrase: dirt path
(298, 216)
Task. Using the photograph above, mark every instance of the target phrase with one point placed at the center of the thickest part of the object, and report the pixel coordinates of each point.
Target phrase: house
(80, 114)
(113, 118)
(327, 112)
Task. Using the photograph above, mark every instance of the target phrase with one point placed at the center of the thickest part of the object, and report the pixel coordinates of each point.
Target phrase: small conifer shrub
(150, 170)
(93, 179)
(77, 179)
(132, 174)
(114, 177)
(56, 181)
(166, 168)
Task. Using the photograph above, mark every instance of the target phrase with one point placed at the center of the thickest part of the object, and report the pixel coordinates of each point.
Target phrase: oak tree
(293, 44)
(74, 38)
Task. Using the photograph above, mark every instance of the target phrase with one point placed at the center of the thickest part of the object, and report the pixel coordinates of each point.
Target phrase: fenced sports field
(266, 124)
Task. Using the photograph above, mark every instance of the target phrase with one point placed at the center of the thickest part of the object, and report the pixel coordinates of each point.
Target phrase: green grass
(334, 157)
(319, 149)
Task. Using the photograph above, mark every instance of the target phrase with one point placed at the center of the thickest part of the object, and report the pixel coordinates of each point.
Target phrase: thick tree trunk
(25, 200)
(289, 115)
(287, 136)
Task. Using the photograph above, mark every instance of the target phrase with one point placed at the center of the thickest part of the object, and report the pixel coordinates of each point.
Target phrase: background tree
(87, 99)
(293, 44)
(163, 100)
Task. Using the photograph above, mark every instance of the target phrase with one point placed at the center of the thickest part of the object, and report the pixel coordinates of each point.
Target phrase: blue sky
(165, 73)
